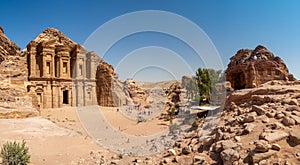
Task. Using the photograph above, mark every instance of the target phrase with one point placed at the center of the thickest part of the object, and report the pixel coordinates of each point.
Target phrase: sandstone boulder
(199, 159)
(208, 141)
(262, 146)
(186, 150)
(228, 144)
(279, 115)
(258, 110)
(276, 147)
(293, 108)
(294, 136)
(172, 152)
(287, 121)
(248, 128)
(290, 102)
(257, 157)
(295, 118)
(270, 115)
(275, 136)
(228, 156)
(250, 117)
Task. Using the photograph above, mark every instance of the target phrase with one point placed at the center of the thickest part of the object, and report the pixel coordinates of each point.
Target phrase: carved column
(52, 66)
(31, 48)
(55, 95)
(68, 68)
(60, 67)
(94, 94)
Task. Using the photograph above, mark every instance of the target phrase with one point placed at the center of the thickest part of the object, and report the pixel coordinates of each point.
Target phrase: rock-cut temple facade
(61, 75)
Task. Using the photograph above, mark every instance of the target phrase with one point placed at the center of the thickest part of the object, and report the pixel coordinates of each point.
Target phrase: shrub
(196, 122)
(14, 153)
(173, 128)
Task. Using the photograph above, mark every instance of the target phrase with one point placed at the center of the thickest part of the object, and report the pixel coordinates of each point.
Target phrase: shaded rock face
(12, 60)
(7, 47)
(137, 94)
(250, 68)
(12, 63)
(120, 95)
(104, 79)
(14, 101)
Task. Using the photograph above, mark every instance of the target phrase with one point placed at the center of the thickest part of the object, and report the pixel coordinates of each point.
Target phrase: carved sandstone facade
(61, 72)
(250, 68)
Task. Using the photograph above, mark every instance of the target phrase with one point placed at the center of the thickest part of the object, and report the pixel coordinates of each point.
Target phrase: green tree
(206, 81)
(191, 89)
(171, 115)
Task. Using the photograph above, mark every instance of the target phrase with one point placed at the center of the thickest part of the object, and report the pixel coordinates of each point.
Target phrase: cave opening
(239, 81)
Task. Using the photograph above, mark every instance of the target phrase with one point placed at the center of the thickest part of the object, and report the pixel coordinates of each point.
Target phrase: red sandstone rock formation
(7, 47)
(137, 94)
(173, 95)
(104, 79)
(250, 68)
(14, 102)
(56, 36)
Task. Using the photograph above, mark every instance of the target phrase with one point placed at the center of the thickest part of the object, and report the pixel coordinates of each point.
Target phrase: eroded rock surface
(136, 93)
(14, 101)
(7, 47)
(173, 95)
(104, 79)
(251, 68)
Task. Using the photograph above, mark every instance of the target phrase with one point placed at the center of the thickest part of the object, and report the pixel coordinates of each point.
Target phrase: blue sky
(231, 25)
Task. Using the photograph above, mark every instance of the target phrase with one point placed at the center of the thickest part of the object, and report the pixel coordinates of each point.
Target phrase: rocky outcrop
(104, 79)
(12, 60)
(7, 47)
(251, 68)
(173, 96)
(250, 130)
(14, 101)
(120, 96)
(137, 94)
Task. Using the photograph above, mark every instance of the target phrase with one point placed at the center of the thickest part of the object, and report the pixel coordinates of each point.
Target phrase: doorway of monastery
(65, 97)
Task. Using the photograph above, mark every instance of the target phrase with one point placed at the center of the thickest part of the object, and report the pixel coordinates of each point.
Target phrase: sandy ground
(120, 121)
(57, 137)
(48, 143)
